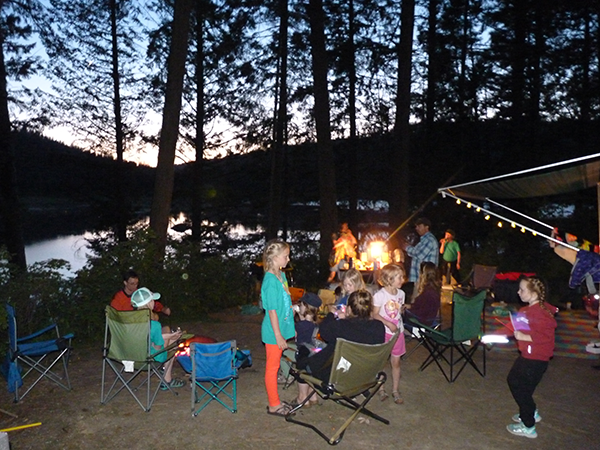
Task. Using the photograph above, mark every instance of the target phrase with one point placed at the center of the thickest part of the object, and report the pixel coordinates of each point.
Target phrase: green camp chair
(456, 346)
(356, 369)
(129, 354)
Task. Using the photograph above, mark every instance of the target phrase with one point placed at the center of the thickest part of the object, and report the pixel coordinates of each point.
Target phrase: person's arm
(442, 245)
(392, 326)
(281, 342)
(458, 260)
(520, 336)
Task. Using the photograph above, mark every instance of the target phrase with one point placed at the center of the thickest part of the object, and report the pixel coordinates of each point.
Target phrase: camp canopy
(553, 179)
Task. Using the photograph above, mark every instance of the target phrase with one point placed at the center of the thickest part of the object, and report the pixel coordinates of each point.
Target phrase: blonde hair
(273, 248)
(360, 304)
(389, 272)
(428, 276)
(354, 277)
(537, 285)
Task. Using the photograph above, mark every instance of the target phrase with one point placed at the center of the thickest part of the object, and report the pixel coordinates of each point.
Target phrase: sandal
(294, 403)
(383, 395)
(397, 399)
(174, 383)
(282, 411)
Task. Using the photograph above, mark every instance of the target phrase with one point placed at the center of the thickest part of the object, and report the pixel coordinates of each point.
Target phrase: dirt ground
(469, 414)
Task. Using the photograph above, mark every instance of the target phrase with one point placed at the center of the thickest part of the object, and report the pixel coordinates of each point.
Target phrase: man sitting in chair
(144, 298)
(355, 325)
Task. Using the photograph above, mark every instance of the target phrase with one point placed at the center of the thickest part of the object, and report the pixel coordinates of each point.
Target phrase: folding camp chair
(356, 369)
(129, 353)
(28, 355)
(213, 370)
(412, 325)
(462, 339)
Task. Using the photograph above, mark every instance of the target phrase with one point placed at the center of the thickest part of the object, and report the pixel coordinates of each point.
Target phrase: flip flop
(282, 411)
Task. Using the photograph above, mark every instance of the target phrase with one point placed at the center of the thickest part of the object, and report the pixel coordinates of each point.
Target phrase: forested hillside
(60, 181)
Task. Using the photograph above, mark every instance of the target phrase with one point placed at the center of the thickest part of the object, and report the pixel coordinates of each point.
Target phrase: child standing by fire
(536, 346)
(278, 324)
(388, 304)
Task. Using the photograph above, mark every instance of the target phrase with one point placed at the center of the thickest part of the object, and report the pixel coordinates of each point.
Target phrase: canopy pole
(434, 195)
(512, 222)
(519, 213)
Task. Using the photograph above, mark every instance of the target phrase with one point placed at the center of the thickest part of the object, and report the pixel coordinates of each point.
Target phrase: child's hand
(281, 342)
(393, 327)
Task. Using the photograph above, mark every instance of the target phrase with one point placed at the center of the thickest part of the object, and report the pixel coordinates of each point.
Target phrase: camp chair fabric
(412, 326)
(480, 277)
(296, 294)
(28, 355)
(214, 372)
(356, 369)
(462, 339)
(128, 353)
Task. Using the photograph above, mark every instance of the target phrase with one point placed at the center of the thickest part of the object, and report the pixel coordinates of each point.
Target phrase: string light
(514, 225)
(458, 201)
(534, 233)
(478, 209)
(469, 205)
(499, 224)
(522, 230)
(487, 217)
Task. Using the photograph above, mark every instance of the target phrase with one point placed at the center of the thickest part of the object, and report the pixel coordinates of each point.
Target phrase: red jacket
(542, 325)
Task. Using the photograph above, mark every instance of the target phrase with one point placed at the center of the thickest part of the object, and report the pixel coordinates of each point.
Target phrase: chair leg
(348, 403)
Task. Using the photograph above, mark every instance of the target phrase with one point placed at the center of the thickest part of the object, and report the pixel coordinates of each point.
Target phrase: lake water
(72, 249)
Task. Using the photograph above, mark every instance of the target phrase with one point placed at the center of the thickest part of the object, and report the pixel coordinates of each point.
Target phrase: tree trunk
(352, 147)
(432, 67)
(165, 169)
(280, 128)
(399, 198)
(120, 192)
(200, 114)
(10, 210)
(327, 186)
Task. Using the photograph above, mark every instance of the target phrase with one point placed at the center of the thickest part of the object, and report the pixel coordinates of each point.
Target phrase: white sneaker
(518, 429)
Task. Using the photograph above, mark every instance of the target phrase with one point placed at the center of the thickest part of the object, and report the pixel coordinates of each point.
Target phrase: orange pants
(273, 361)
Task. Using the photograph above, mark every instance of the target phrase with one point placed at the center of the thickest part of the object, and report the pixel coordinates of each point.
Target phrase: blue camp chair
(29, 356)
(214, 372)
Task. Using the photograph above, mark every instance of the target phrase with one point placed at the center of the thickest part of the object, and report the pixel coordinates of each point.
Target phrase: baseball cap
(142, 297)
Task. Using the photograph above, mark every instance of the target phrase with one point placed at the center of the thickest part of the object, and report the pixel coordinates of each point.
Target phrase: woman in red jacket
(536, 345)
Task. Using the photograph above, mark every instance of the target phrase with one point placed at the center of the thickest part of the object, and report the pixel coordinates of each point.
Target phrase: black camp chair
(356, 369)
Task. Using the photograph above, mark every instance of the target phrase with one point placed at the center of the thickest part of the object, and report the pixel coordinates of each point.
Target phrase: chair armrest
(37, 333)
(428, 329)
(169, 348)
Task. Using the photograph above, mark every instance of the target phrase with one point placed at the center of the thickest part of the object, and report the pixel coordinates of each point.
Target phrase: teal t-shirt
(275, 297)
(156, 338)
(451, 250)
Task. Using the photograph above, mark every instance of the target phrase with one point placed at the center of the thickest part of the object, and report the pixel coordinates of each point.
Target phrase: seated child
(143, 298)
(351, 282)
(306, 330)
(426, 306)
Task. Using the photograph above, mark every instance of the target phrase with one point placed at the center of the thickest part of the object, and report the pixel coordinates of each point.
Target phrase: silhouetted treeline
(59, 181)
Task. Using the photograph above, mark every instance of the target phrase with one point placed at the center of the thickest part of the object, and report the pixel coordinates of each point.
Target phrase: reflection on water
(72, 249)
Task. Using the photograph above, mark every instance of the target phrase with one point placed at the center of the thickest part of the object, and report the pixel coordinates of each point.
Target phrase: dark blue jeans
(522, 380)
